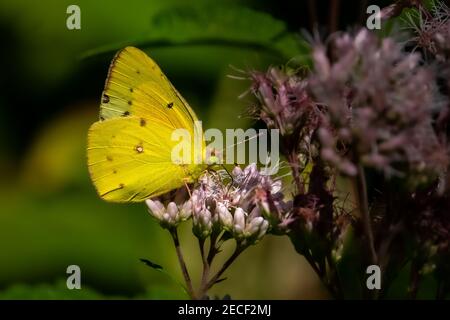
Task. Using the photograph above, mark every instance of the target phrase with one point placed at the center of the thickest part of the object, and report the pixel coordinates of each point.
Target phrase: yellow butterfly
(130, 149)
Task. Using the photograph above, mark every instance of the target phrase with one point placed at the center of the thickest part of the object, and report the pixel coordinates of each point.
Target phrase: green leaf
(216, 25)
(59, 291)
(350, 267)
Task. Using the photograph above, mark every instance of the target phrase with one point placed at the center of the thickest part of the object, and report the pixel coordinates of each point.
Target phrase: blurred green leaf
(216, 25)
(352, 278)
(59, 291)
(48, 292)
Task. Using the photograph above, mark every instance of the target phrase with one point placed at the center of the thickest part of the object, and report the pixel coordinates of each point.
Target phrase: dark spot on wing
(143, 122)
(121, 186)
(170, 105)
(126, 113)
(138, 72)
(109, 158)
(139, 148)
(102, 118)
(114, 171)
(105, 98)
(131, 90)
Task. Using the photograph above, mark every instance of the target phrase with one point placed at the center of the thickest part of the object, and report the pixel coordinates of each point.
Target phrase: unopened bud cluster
(171, 215)
(242, 207)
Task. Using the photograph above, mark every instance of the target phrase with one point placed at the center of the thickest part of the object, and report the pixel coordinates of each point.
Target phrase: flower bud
(239, 219)
(172, 210)
(205, 217)
(156, 208)
(185, 211)
(263, 229)
(202, 224)
(225, 216)
(237, 171)
(172, 215)
(166, 219)
(238, 231)
(254, 226)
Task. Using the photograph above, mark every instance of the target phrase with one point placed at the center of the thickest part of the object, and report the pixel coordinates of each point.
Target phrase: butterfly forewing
(136, 86)
(130, 148)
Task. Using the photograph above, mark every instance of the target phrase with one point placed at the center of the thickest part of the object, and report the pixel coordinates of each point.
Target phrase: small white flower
(170, 216)
(156, 208)
(172, 210)
(237, 171)
(263, 229)
(186, 210)
(254, 226)
(239, 219)
(202, 223)
(225, 216)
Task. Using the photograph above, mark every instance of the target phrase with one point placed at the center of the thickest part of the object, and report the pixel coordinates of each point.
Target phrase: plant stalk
(225, 266)
(363, 204)
(182, 263)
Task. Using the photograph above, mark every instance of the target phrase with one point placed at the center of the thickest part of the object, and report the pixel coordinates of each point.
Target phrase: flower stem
(205, 273)
(184, 270)
(363, 205)
(213, 248)
(225, 266)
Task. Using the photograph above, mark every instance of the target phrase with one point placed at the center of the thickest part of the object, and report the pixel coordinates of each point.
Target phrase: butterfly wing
(136, 86)
(131, 162)
(129, 149)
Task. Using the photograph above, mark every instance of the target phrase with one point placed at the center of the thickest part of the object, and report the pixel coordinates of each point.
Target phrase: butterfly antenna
(240, 142)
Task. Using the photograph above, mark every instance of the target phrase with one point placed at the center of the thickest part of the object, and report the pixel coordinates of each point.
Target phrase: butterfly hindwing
(129, 161)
